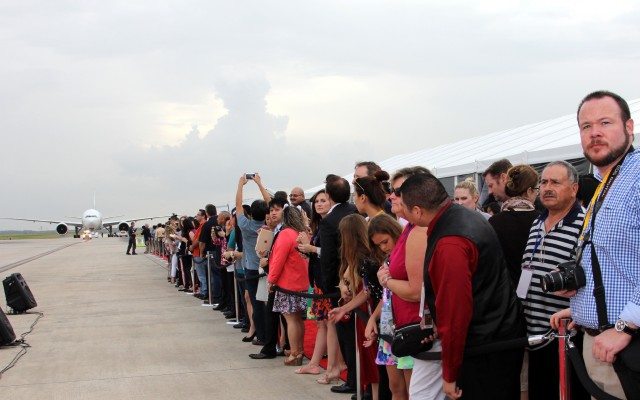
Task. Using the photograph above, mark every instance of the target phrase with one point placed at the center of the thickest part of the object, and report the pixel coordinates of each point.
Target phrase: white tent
(555, 139)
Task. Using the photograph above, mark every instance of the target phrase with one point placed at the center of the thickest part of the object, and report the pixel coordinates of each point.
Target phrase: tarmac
(113, 328)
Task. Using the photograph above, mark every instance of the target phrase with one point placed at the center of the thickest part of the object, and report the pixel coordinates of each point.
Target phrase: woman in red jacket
(288, 269)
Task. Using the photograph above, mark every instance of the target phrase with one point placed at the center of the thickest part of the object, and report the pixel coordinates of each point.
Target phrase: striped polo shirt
(553, 247)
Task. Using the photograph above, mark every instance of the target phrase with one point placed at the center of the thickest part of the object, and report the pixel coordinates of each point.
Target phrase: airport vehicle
(90, 223)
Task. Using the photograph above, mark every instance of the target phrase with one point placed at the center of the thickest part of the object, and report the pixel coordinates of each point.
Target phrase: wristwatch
(621, 326)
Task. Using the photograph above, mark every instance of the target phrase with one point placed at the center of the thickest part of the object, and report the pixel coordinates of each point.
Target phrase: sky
(159, 107)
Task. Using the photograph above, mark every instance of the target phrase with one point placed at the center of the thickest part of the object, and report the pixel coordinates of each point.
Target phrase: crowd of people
(399, 254)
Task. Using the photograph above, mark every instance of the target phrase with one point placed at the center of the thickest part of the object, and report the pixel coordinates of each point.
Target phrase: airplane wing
(45, 220)
(111, 223)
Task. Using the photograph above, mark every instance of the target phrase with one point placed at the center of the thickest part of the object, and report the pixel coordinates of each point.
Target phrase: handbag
(407, 339)
(262, 294)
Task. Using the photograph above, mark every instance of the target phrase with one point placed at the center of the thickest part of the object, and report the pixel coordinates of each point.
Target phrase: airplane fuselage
(92, 220)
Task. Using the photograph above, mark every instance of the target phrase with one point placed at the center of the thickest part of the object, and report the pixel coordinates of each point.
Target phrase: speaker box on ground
(18, 294)
(7, 335)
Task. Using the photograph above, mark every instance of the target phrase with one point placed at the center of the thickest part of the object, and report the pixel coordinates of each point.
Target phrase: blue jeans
(201, 271)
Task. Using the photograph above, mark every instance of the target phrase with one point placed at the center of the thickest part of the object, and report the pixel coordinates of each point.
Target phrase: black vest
(496, 309)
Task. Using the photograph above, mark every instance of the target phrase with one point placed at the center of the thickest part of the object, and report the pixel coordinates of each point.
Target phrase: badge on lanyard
(525, 281)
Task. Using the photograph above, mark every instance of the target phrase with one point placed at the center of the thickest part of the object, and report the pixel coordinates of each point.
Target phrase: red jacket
(287, 268)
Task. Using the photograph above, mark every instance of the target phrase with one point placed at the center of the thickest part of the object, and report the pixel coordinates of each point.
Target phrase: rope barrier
(334, 295)
(581, 370)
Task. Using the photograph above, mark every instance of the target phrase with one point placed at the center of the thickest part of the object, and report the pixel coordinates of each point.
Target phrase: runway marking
(26, 260)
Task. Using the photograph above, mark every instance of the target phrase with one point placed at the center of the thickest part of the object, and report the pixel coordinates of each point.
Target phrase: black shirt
(205, 235)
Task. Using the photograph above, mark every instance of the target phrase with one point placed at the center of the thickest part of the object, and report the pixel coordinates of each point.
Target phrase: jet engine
(62, 229)
(123, 226)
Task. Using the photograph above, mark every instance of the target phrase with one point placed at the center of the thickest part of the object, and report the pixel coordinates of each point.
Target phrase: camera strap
(596, 203)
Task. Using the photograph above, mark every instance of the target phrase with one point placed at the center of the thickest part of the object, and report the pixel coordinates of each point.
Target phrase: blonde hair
(470, 185)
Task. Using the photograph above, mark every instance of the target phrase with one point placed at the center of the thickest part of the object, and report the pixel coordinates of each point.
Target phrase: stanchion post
(358, 384)
(235, 297)
(209, 278)
(565, 376)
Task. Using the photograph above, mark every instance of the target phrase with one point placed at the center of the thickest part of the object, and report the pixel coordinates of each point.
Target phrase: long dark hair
(314, 222)
(354, 249)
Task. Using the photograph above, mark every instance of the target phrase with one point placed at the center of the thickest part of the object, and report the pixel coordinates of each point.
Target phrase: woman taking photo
(289, 270)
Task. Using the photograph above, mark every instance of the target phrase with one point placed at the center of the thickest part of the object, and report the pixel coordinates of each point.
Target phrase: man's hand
(257, 179)
(264, 262)
(609, 343)
(451, 390)
(243, 180)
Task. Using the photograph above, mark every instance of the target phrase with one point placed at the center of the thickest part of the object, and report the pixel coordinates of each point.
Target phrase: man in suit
(338, 190)
(132, 239)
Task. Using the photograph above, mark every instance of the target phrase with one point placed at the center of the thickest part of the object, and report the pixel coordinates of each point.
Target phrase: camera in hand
(249, 176)
(569, 276)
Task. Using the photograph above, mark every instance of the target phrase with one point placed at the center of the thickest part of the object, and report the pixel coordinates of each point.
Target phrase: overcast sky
(160, 106)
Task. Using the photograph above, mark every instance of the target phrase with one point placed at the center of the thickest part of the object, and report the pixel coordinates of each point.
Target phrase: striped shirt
(617, 242)
(544, 251)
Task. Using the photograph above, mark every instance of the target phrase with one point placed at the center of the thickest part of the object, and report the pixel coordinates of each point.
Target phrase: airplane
(90, 223)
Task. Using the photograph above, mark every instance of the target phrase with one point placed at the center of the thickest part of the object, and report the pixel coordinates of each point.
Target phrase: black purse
(407, 339)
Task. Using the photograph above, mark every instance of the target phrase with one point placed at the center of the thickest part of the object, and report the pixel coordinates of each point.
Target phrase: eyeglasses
(294, 195)
(395, 191)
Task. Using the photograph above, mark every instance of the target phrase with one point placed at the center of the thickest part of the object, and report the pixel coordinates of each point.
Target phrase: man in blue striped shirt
(606, 132)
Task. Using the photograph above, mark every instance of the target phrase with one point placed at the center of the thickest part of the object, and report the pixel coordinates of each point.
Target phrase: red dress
(368, 367)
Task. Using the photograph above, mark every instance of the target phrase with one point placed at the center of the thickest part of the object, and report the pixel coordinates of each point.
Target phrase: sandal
(295, 361)
(328, 380)
(309, 369)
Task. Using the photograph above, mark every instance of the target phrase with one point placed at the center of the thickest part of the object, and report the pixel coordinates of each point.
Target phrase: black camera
(249, 176)
(569, 276)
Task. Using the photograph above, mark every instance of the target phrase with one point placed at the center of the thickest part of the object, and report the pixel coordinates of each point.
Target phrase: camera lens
(552, 282)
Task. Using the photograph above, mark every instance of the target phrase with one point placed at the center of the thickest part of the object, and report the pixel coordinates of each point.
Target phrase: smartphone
(249, 176)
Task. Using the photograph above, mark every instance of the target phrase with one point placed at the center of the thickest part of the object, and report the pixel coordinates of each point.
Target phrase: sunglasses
(395, 191)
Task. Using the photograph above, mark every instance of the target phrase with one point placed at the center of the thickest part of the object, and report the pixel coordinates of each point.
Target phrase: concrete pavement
(113, 328)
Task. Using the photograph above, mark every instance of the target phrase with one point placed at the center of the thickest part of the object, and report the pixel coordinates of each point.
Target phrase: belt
(589, 331)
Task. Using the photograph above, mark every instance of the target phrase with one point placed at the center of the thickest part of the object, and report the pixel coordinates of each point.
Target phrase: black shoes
(248, 339)
(239, 325)
(219, 307)
(344, 388)
(128, 254)
(257, 342)
(244, 329)
(261, 356)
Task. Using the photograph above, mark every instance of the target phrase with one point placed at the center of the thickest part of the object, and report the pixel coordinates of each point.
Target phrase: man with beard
(609, 243)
